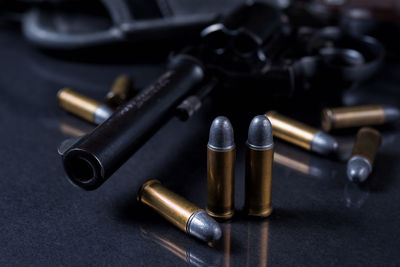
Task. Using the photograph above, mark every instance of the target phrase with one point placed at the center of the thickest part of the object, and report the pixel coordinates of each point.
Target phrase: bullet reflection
(257, 243)
(74, 127)
(182, 248)
(226, 243)
(291, 163)
(301, 162)
(355, 195)
(250, 251)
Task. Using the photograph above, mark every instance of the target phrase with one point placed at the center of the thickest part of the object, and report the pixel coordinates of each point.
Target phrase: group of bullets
(259, 156)
(259, 162)
(94, 111)
(367, 142)
(220, 182)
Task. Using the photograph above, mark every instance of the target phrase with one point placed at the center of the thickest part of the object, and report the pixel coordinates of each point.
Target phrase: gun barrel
(94, 158)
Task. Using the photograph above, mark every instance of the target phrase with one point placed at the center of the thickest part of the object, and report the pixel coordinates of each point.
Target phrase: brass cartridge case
(360, 165)
(220, 182)
(291, 131)
(258, 181)
(347, 117)
(171, 206)
(367, 143)
(180, 212)
(120, 91)
(77, 104)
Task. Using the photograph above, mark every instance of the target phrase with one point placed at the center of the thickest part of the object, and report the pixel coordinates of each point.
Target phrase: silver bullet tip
(324, 144)
(358, 169)
(392, 113)
(260, 133)
(221, 134)
(202, 226)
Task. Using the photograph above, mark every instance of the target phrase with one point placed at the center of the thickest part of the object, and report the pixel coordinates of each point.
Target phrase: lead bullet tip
(221, 134)
(260, 133)
(392, 113)
(358, 169)
(324, 143)
(202, 226)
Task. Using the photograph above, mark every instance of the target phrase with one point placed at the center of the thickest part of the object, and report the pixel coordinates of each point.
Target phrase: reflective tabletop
(319, 218)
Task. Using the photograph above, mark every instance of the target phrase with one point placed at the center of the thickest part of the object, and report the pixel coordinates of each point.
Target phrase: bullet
(359, 166)
(301, 134)
(120, 91)
(82, 106)
(259, 161)
(220, 169)
(357, 116)
(180, 212)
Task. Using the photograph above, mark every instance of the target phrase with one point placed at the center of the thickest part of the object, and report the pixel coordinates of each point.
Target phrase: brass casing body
(258, 181)
(119, 92)
(77, 104)
(220, 183)
(367, 143)
(347, 117)
(171, 206)
(290, 130)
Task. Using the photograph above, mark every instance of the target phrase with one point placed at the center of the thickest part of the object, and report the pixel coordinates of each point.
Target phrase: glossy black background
(319, 218)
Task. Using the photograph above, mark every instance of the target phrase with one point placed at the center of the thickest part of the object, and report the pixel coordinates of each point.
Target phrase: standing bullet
(220, 169)
(259, 160)
(83, 106)
(347, 117)
(359, 167)
(120, 91)
(183, 214)
(301, 134)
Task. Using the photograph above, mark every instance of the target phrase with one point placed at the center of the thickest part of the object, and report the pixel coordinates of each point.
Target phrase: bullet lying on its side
(83, 106)
(183, 214)
(301, 134)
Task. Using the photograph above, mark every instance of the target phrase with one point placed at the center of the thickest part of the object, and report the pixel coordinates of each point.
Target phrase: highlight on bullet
(180, 212)
(301, 134)
(259, 161)
(83, 106)
(220, 169)
(359, 166)
(120, 91)
(357, 116)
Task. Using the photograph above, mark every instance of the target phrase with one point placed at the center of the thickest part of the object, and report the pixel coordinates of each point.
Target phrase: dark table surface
(319, 218)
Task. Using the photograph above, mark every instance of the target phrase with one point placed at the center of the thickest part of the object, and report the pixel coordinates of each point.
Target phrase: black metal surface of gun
(254, 46)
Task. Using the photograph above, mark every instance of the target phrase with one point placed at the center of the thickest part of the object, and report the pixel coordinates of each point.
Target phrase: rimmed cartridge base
(221, 216)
